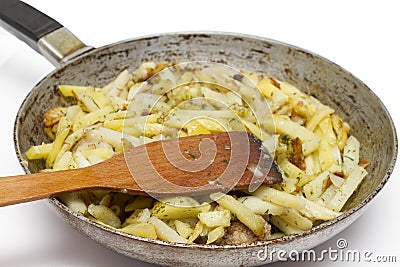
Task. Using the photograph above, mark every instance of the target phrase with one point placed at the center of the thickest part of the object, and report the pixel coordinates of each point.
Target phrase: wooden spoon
(192, 165)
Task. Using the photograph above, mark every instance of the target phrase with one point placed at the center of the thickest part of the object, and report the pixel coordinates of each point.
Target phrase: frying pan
(82, 65)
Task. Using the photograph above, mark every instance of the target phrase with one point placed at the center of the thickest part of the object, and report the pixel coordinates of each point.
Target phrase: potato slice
(146, 230)
(254, 222)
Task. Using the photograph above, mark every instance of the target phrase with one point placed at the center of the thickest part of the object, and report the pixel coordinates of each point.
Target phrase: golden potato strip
(213, 125)
(105, 215)
(86, 100)
(132, 131)
(80, 160)
(114, 138)
(220, 98)
(145, 230)
(185, 77)
(291, 90)
(116, 125)
(284, 226)
(118, 115)
(316, 187)
(351, 155)
(254, 222)
(195, 128)
(53, 116)
(74, 201)
(326, 159)
(39, 151)
(341, 129)
(168, 211)
(140, 120)
(336, 180)
(138, 216)
(290, 170)
(309, 165)
(134, 89)
(295, 219)
(71, 90)
(74, 112)
(290, 185)
(270, 91)
(65, 162)
(64, 127)
(286, 126)
(117, 84)
(313, 211)
(166, 233)
(198, 229)
(92, 118)
(279, 197)
(118, 103)
(327, 130)
(101, 152)
(305, 179)
(140, 202)
(99, 98)
(255, 129)
(337, 160)
(347, 189)
(310, 146)
(183, 229)
(215, 234)
(72, 139)
(261, 207)
(328, 195)
(153, 129)
(281, 153)
(113, 122)
(215, 218)
(316, 163)
(317, 117)
(254, 77)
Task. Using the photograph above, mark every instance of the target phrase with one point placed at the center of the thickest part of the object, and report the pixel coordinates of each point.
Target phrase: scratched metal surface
(334, 86)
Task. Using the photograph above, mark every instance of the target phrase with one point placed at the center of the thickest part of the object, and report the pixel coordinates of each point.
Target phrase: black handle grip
(25, 22)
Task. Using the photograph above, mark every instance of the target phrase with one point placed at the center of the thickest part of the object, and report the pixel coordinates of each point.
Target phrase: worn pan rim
(58, 204)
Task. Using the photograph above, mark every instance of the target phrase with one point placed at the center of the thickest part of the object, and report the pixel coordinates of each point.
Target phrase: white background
(361, 36)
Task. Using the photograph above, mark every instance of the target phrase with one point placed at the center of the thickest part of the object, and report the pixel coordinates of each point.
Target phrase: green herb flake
(194, 156)
(350, 158)
(244, 199)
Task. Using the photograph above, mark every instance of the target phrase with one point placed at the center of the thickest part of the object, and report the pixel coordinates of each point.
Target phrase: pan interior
(313, 74)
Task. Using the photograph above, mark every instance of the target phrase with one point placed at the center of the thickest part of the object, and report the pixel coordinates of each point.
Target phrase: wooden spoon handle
(24, 188)
(31, 187)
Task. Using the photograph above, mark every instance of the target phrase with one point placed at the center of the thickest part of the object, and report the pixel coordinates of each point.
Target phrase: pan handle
(42, 33)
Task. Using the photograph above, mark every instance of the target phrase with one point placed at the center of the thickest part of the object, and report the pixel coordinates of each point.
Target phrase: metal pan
(80, 64)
